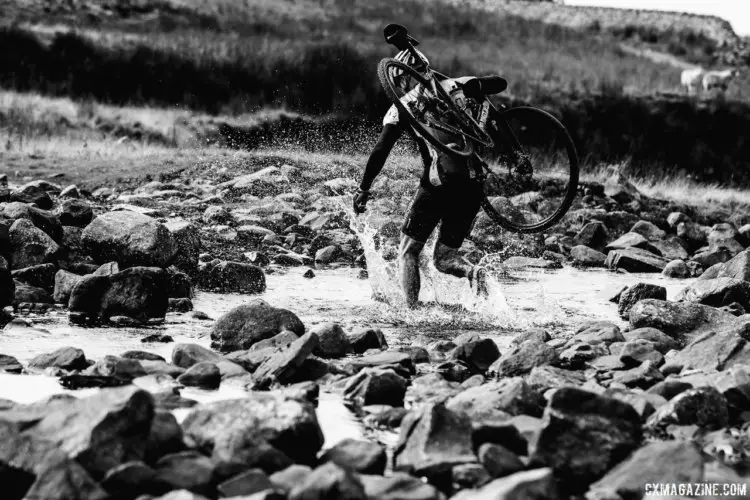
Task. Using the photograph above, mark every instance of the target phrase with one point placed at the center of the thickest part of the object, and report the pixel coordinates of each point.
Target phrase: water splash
(448, 301)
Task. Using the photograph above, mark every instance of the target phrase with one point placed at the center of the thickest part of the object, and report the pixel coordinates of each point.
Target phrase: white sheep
(691, 79)
(718, 79)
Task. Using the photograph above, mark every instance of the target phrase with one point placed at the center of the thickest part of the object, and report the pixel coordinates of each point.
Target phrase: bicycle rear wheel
(533, 176)
(436, 119)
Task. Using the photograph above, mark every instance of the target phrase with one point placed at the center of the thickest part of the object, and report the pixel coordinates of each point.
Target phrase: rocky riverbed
(185, 337)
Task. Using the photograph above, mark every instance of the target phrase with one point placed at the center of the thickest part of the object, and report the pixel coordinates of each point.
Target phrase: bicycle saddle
(482, 86)
(398, 35)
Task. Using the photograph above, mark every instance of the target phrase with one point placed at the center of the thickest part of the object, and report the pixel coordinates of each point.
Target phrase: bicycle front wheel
(533, 176)
(431, 116)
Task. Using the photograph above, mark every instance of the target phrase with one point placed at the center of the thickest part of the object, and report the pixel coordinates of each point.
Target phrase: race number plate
(484, 113)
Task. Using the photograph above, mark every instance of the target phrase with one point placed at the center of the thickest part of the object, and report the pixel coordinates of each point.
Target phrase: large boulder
(232, 277)
(129, 238)
(717, 292)
(433, 440)
(31, 246)
(716, 349)
(100, 432)
(250, 323)
(73, 212)
(677, 318)
(288, 424)
(659, 462)
(584, 435)
(635, 260)
(634, 294)
(187, 240)
(138, 292)
(7, 285)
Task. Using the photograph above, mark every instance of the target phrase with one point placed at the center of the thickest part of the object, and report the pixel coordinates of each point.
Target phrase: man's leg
(409, 266)
(451, 261)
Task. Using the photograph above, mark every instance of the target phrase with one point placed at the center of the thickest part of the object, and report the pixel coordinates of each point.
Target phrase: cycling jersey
(439, 166)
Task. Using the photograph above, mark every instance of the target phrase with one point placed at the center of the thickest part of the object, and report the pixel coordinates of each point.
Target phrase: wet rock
(596, 332)
(636, 293)
(332, 341)
(247, 324)
(187, 355)
(704, 407)
(367, 338)
(543, 378)
(77, 381)
(238, 453)
(39, 276)
(65, 358)
(157, 337)
(692, 233)
(382, 359)
(662, 342)
(129, 238)
(587, 257)
(282, 340)
(139, 293)
(179, 284)
(477, 353)
(504, 433)
(9, 364)
(64, 283)
(584, 435)
(536, 334)
(594, 235)
(187, 470)
(643, 403)
(42, 219)
(30, 295)
(7, 285)
(416, 353)
(30, 246)
(117, 367)
(398, 486)
(99, 432)
(676, 462)
(32, 194)
(180, 305)
(635, 260)
(711, 257)
(309, 274)
(538, 484)
(738, 268)
(454, 371)
(433, 440)
(717, 292)
(628, 240)
(635, 352)
(373, 386)
(246, 484)
(523, 358)
(498, 460)
(329, 481)
(676, 269)
(431, 388)
(187, 240)
(496, 400)
(202, 375)
(642, 376)
(288, 424)
(74, 212)
(281, 366)
(669, 388)
(716, 349)
(677, 318)
(648, 230)
(233, 277)
(363, 457)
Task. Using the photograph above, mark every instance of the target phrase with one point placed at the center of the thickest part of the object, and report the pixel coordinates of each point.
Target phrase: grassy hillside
(210, 69)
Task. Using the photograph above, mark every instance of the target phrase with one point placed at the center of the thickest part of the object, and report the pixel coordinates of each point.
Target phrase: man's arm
(388, 137)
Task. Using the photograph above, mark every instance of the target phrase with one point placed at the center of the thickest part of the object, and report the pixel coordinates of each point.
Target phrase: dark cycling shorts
(453, 205)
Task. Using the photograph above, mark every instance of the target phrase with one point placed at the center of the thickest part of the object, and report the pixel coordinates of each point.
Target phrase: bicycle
(523, 153)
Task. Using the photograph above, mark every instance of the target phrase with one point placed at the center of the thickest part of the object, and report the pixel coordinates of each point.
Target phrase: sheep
(718, 79)
(691, 79)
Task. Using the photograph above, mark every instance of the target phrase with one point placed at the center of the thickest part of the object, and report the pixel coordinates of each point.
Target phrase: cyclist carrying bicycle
(447, 194)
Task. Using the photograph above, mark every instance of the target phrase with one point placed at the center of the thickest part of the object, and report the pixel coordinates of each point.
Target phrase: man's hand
(360, 201)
